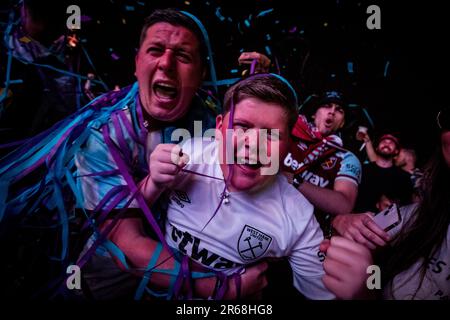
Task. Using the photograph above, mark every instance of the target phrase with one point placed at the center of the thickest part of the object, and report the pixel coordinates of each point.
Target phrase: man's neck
(384, 162)
(153, 124)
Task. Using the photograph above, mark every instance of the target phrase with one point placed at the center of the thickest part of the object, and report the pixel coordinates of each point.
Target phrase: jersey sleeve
(98, 174)
(350, 169)
(304, 256)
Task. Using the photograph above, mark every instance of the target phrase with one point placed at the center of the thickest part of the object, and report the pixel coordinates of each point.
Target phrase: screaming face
(258, 141)
(169, 70)
(329, 118)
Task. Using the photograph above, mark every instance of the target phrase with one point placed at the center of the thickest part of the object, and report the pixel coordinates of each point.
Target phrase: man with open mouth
(170, 67)
(107, 160)
(265, 216)
(326, 173)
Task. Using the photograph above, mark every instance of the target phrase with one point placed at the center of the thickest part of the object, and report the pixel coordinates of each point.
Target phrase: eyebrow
(184, 45)
(251, 125)
(242, 121)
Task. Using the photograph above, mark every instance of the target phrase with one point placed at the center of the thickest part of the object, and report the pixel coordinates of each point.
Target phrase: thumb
(183, 160)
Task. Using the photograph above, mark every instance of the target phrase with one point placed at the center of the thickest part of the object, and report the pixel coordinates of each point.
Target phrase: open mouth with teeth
(255, 166)
(165, 91)
(246, 163)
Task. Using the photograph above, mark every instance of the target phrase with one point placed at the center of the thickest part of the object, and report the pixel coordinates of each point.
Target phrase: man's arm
(165, 163)
(370, 150)
(130, 237)
(371, 154)
(139, 248)
(340, 200)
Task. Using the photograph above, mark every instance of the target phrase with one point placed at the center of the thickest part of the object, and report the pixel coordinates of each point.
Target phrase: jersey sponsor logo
(315, 179)
(192, 246)
(179, 197)
(253, 243)
(289, 161)
(329, 163)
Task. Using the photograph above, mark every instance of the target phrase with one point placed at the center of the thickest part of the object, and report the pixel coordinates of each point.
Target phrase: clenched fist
(165, 163)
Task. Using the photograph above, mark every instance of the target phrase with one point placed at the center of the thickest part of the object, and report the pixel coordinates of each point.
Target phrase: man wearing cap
(324, 172)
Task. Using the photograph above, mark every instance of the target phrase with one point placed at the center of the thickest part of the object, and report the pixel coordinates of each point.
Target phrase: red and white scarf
(319, 147)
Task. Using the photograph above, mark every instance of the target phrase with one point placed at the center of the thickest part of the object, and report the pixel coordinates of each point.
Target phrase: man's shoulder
(348, 157)
(294, 202)
(350, 166)
(110, 98)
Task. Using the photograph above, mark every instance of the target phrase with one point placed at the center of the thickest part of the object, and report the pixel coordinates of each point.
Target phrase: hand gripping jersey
(276, 221)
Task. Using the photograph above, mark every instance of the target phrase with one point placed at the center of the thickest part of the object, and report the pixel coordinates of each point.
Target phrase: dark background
(399, 72)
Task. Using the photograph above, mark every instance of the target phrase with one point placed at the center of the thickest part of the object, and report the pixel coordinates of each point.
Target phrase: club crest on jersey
(253, 243)
(329, 163)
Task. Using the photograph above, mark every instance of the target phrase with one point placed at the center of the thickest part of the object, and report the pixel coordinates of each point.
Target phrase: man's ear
(219, 122)
(342, 124)
(219, 126)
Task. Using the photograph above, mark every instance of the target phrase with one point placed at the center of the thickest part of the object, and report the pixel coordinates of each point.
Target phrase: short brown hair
(265, 87)
(176, 18)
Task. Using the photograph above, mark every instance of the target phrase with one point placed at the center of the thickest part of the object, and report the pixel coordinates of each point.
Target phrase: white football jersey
(436, 282)
(275, 221)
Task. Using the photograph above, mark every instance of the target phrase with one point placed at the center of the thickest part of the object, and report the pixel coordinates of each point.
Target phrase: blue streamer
(218, 14)
(264, 13)
(350, 67)
(212, 68)
(288, 84)
(386, 68)
(368, 117)
(148, 272)
(9, 61)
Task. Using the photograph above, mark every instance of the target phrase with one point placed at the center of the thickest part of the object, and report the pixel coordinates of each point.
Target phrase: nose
(167, 61)
(333, 110)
